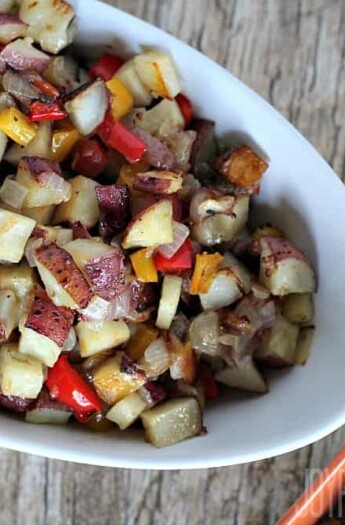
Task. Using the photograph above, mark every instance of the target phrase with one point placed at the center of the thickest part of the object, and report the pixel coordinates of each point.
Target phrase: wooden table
(293, 53)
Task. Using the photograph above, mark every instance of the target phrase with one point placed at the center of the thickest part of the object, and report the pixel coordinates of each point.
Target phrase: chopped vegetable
(208, 380)
(144, 266)
(20, 375)
(17, 126)
(181, 260)
(143, 337)
(41, 111)
(87, 106)
(82, 206)
(21, 55)
(11, 27)
(97, 336)
(242, 167)
(117, 137)
(298, 308)
(186, 107)
(206, 266)
(130, 78)
(126, 412)
(106, 66)
(171, 292)
(122, 101)
(114, 208)
(157, 73)
(15, 230)
(278, 346)
(304, 344)
(67, 386)
(63, 142)
(244, 376)
(158, 182)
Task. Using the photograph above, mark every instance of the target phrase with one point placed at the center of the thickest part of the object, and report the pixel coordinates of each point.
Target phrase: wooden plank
(293, 54)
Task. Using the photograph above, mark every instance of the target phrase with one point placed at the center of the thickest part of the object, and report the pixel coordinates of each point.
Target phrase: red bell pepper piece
(66, 385)
(209, 383)
(182, 260)
(106, 66)
(116, 136)
(46, 87)
(40, 111)
(186, 107)
(90, 158)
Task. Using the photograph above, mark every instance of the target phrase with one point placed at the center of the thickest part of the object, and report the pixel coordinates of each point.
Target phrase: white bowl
(301, 194)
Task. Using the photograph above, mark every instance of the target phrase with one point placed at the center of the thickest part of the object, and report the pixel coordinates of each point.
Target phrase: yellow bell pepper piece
(143, 337)
(205, 269)
(144, 267)
(122, 101)
(17, 126)
(62, 143)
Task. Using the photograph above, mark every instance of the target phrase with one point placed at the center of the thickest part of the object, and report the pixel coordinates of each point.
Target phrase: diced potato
(47, 416)
(7, 6)
(38, 346)
(283, 269)
(223, 291)
(15, 230)
(242, 167)
(158, 182)
(50, 23)
(126, 412)
(13, 193)
(43, 181)
(151, 227)
(9, 312)
(197, 390)
(173, 421)
(97, 336)
(20, 279)
(87, 106)
(112, 384)
(278, 347)
(42, 215)
(20, 376)
(63, 281)
(304, 344)
(244, 376)
(130, 78)
(82, 206)
(221, 227)
(170, 296)
(83, 250)
(204, 333)
(298, 308)
(158, 74)
(167, 112)
(60, 236)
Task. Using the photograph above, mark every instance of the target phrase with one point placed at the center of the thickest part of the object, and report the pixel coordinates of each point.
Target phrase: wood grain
(293, 53)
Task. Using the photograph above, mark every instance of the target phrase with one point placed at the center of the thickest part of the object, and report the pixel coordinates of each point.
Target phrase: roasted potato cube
(152, 226)
(64, 282)
(42, 215)
(244, 376)
(97, 336)
(283, 268)
(223, 291)
(173, 421)
(158, 182)
(87, 106)
(40, 146)
(20, 279)
(165, 113)
(82, 206)
(278, 346)
(20, 376)
(15, 230)
(126, 412)
(242, 167)
(113, 381)
(298, 308)
(158, 74)
(38, 346)
(47, 416)
(9, 313)
(304, 344)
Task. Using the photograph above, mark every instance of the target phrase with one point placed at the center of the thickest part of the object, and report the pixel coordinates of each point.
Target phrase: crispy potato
(278, 346)
(298, 308)
(242, 167)
(113, 381)
(97, 336)
(64, 282)
(244, 376)
(157, 73)
(154, 225)
(158, 182)
(82, 206)
(126, 412)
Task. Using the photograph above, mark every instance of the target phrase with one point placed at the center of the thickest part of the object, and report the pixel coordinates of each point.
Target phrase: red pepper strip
(186, 107)
(182, 260)
(208, 381)
(46, 87)
(116, 136)
(41, 111)
(69, 388)
(106, 67)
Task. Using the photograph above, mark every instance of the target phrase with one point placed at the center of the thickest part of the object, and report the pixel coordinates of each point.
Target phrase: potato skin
(106, 273)
(48, 319)
(67, 274)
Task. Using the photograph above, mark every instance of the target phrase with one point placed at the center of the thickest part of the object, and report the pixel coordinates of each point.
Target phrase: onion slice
(180, 233)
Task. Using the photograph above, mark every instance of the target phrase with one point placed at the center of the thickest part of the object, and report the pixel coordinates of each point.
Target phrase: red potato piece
(21, 55)
(16, 404)
(114, 205)
(60, 264)
(157, 154)
(204, 146)
(90, 158)
(106, 273)
(158, 182)
(79, 231)
(11, 27)
(242, 167)
(47, 319)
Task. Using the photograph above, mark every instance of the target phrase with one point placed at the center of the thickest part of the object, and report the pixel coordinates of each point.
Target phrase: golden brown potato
(242, 167)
